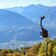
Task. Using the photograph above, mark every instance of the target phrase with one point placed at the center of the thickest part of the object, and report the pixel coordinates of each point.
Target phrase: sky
(18, 3)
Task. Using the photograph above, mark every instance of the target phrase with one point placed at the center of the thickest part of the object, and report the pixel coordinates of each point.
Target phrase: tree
(29, 54)
(42, 54)
(17, 54)
(42, 49)
(9, 54)
(54, 51)
(4, 52)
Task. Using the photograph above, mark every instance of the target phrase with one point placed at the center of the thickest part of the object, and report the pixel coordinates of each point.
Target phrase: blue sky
(17, 3)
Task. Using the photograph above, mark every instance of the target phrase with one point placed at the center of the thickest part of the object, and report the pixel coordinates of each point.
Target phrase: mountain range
(34, 12)
(14, 26)
(23, 23)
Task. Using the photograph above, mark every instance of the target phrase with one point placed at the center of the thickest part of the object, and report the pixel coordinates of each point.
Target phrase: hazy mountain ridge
(16, 27)
(25, 29)
(11, 18)
(34, 12)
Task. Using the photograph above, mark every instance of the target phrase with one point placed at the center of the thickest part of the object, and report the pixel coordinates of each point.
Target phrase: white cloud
(17, 3)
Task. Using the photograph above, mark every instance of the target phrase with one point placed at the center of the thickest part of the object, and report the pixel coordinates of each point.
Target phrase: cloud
(17, 3)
